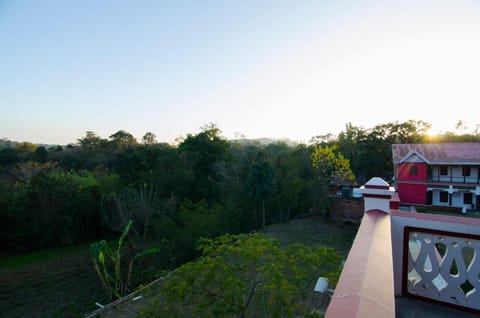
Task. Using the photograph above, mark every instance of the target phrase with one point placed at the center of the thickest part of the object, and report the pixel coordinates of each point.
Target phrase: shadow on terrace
(408, 264)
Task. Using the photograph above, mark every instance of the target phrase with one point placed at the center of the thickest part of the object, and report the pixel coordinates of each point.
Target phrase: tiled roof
(441, 153)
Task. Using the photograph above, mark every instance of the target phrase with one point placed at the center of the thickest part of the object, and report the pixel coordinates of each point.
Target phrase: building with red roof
(438, 174)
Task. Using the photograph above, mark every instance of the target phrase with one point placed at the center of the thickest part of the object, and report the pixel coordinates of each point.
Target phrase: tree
(350, 144)
(328, 165)
(294, 174)
(41, 154)
(15, 230)
(203, 153)
(246, 275)
(149, 139)
(261, 183)
(461, 127)
(411, 131)
(26, 146)
(63, 207)
(198, 220)
(9, 155)
(91, 141)
(122, 138)
(142, 205)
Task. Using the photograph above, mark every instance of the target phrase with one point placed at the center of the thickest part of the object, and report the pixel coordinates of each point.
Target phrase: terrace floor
(412, 308)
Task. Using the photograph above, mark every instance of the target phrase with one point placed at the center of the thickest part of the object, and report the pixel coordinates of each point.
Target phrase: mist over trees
(205, 186)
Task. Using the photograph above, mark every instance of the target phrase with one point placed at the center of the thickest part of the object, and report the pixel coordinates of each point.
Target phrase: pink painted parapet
(365, 288)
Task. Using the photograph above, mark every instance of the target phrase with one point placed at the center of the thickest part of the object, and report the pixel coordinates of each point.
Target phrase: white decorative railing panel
(442, 267)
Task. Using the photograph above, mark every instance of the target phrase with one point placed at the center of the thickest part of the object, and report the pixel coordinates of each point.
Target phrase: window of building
(466, 171)
(444, 170)
(467, 198)
(413, 171)
(444, 196)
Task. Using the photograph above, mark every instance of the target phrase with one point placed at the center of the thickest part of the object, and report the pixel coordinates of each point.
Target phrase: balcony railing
(454, 179)
(442, 266)
(434, 258)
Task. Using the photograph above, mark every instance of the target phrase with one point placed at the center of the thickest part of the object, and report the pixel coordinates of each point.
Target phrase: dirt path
(66, 286)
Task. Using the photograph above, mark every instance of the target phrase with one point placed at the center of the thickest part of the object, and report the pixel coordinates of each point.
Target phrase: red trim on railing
(369, 186)
(378, 196)
(437, 217)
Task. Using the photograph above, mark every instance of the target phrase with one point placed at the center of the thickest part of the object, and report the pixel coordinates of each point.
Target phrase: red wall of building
(403, 171)
(412, 193)
(394, 205)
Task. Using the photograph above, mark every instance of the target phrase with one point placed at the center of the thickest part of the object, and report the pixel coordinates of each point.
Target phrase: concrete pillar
(377, 194)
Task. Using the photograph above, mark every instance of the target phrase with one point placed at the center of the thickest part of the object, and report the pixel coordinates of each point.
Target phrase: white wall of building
(456, 197)
(455, 174)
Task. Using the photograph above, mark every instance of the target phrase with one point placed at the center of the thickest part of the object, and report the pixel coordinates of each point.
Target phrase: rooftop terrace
(408, 264)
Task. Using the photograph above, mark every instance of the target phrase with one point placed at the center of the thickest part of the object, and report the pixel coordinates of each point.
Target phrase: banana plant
(108, 265)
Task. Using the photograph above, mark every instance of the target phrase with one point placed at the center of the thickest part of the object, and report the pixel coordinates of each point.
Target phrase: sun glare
(432, 132)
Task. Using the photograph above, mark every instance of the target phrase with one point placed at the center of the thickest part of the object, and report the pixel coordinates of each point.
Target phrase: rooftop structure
(441, 175)
(409, 264)
(441, 153)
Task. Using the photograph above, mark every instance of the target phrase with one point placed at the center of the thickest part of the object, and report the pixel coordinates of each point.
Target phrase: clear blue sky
(260, 68)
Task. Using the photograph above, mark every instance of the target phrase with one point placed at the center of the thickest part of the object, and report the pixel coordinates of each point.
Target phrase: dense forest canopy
(203, 187)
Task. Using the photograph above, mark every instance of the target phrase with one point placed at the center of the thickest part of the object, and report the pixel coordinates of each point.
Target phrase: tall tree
(123, 138)
(143, 205)
(262, 183)
(41, 154)
(91, 141)
(328, 165)
(351, 144)
(149, 138)
(203, 153)
(294, 175)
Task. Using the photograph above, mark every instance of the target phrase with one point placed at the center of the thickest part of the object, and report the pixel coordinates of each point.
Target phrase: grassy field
(49, 283)
(313, 231)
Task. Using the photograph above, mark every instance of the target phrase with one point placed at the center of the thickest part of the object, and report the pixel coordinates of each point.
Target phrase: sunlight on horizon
(379, 71)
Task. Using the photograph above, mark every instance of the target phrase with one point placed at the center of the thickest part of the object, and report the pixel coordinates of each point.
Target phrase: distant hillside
(265, 141)
(6, 143)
